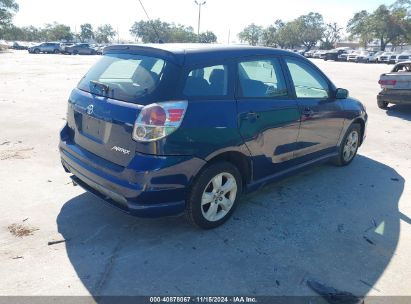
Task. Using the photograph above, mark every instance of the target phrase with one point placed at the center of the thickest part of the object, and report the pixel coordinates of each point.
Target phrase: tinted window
(123, 76)
(261, 79)
(207, 81)
(307, 81)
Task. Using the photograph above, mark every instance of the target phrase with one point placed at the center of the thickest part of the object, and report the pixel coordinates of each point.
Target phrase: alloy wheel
(218, 197)
(351, 146)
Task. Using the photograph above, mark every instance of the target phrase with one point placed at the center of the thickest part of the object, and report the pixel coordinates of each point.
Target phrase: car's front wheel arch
(360, 122)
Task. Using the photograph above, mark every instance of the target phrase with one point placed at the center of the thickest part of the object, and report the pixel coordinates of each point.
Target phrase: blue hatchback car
(164, 129)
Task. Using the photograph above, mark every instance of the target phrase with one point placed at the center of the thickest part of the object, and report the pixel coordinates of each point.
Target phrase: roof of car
(191, 53)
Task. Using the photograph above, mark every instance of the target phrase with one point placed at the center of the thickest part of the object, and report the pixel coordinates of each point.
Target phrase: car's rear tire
(382, 104)
(349, 145)
(214, 195)
(56, 51)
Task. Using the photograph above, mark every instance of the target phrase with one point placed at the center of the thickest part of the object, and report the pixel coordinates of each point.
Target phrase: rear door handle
(250, 116)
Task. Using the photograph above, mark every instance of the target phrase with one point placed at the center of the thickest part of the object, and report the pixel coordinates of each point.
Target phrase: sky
(223, 17)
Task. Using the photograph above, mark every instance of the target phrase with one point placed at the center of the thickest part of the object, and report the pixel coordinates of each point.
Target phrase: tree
(207, 37)
(310, 29)
(104, 33)
(7, 9)
(157, 31)
(359, 27)
(150, 31)
(288, 36)
(86, 32)
(251, 34)
(56, 32)
(331, 35)
(181, 33)
(268, 36)
(387, 24)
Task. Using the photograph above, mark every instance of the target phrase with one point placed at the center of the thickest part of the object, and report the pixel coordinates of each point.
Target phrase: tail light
(387, 82)
(159, 120)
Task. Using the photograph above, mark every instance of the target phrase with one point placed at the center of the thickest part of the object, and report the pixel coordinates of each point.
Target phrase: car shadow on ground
(339, 226)
(401, 111)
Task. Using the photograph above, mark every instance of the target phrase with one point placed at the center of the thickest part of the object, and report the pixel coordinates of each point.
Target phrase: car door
(268, 116)
(321, 114)
(80, 49)
(44, 47)
(84, 49)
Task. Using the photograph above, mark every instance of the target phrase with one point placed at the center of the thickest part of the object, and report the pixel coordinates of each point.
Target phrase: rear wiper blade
(103, 86)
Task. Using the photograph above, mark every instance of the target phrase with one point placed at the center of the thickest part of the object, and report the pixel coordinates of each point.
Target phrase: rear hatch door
(103, 126)
(104, 107)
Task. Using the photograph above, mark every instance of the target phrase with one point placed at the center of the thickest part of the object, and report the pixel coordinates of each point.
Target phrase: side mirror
(341, 94)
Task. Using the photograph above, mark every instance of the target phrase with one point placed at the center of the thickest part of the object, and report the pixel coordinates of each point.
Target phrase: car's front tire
(214, 195)
(349, 145)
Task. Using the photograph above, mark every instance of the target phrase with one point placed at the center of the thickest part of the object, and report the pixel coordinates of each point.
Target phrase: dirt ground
(349, 228)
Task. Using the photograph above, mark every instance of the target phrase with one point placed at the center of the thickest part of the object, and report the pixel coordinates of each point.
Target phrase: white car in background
(344, 56)
(353, 56)
(364, 56)
(385, 58)
(402, 58)
(375, 57)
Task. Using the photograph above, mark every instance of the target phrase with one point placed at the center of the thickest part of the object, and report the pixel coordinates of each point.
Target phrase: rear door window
(207, 81)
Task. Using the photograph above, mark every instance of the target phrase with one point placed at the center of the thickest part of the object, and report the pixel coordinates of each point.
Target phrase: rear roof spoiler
(145, 51)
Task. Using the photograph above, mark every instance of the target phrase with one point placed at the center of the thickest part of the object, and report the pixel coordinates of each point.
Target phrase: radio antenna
(151, 22)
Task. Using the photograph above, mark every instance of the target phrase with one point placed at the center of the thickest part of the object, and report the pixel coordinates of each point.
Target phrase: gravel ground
(349, 228)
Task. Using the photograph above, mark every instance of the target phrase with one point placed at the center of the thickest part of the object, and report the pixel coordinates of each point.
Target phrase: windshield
(124, 76)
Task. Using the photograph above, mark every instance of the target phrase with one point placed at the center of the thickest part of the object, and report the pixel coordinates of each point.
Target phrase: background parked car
(320, 54)
(309, 54)
(403, 57)
(344, 56)
(335, 54)
(393, 58)
(353, 56)
(98, 48)
(396, 86)
(19, 46)
(364, 56)
(45, 47)
(80, 49)
(375, 57)
(64, 45)
(385, 58)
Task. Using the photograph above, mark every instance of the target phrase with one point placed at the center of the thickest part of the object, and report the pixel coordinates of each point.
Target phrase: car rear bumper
(395, 96)
(149, 186)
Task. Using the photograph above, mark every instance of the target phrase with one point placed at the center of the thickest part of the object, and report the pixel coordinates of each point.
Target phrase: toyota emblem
(90, 109)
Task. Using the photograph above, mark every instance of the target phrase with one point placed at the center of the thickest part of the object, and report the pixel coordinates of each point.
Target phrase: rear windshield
(126, 77)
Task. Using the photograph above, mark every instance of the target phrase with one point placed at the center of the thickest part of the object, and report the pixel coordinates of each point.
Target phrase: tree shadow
(401, 111)
(337, 225)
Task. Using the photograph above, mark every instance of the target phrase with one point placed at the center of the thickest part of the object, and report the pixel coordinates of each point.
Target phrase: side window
(307, 81)
(207, 81)
(261, 79)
